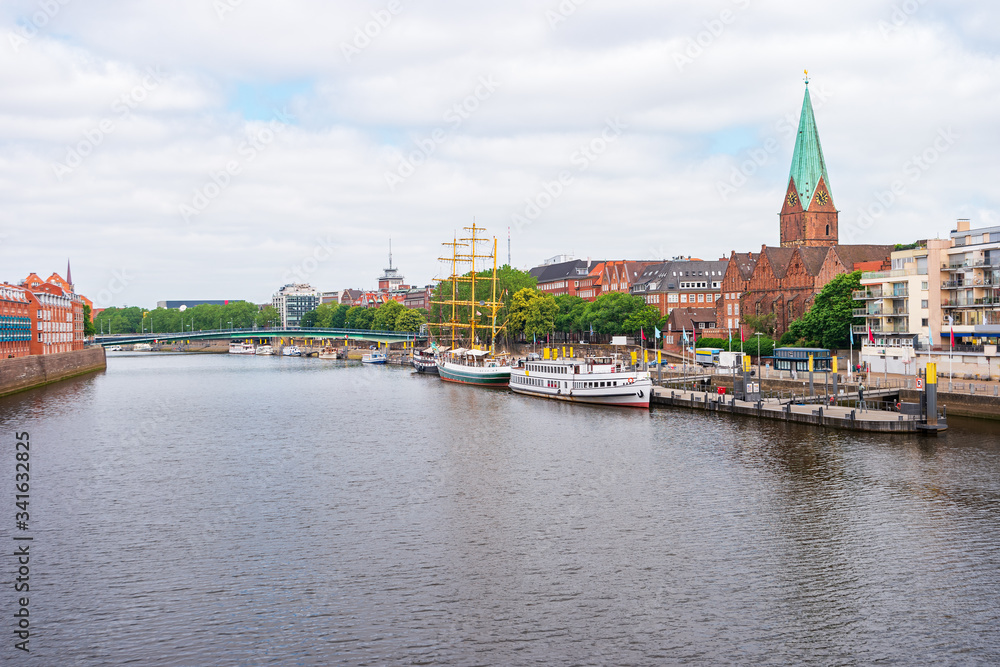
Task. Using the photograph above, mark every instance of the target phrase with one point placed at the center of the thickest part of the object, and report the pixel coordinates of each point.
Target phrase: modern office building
(293, 301)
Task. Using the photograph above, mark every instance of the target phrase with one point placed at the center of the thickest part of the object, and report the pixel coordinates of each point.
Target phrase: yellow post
(545, 353)
(635, 356)
(659, 357)
(746, 363)
(810, 363)
(834, 369)
(931, 373)
(645, 356)
(571, 352)
(563, 351)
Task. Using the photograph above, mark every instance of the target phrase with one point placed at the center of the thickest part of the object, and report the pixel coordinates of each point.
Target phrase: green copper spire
(808, 164)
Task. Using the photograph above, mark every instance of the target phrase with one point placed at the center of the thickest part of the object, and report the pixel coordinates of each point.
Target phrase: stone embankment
(22, 373)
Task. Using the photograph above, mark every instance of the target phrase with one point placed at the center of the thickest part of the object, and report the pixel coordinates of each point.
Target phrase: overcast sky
(220, 148)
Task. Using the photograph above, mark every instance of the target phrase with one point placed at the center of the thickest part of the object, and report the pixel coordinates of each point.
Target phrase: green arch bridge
(246, 334)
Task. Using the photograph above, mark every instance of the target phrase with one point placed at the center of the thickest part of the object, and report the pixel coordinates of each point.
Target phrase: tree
(610, 313)
(643, 319)
(532, 312)
(409, 320)
(386, 314)
(571, 310)
(268, 317)
(359, 317)
(88, 324)
(308, 320)
(765, 324)
(827, 323)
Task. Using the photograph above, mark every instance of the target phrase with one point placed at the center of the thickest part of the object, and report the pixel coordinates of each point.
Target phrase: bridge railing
(258, 331)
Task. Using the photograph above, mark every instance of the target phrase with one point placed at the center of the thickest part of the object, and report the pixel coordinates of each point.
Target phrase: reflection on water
(233, 510)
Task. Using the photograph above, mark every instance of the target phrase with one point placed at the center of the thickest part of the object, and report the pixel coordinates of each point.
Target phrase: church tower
(808, 216)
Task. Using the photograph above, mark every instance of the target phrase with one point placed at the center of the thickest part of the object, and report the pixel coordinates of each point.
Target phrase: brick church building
(784, 280)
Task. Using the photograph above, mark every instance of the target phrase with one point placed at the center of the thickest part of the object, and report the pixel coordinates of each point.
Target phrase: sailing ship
(475, 364)
(592, 380)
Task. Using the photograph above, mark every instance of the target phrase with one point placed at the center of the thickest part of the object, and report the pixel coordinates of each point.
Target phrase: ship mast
(471, 243)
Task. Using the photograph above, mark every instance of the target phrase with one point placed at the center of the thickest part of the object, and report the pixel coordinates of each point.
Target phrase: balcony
(894, 273)
(898, 292)
(861, 294)
(867, 312)
(953, 284)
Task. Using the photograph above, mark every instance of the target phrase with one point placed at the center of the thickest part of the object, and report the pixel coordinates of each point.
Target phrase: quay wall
(981, 406)
(816, 416)
(25, 373)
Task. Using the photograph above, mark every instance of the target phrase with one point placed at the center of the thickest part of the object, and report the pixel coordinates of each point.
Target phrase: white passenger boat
(374, 358)
(264, 350)
(237, 347)
(593, 380)
(291, 351)
(115, 348)
(142, 347)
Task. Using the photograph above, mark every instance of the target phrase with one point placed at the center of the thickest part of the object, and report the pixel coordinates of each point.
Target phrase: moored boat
(291, 351)
(264, 350)
(142, 347)
(592, 380)
(425, 361)
(330, 352)
(237, 347)
(374, 357)
(477, 367)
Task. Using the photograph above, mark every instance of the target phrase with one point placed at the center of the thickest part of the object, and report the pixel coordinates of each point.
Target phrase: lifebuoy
(899, 405)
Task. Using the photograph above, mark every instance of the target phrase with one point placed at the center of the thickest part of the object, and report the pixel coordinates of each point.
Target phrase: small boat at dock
(264, 350)
(374, 357)
(291, 351)
(425, 361)
(237, 347)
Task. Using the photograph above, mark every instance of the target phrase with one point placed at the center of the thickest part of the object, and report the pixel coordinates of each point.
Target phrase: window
(701, 298)
(684, 298)
(923, 285)
(736, 309)
(923, 322)
(828, 230)
(672, 298)
(729, 311)
(923, 303)
(729, 323)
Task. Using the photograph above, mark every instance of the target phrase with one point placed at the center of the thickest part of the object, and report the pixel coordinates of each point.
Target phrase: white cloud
(886, 95)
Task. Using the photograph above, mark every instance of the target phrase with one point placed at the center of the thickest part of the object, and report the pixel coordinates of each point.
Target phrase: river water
(229, 510)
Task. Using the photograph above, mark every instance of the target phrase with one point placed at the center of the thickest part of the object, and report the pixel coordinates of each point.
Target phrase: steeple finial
(390, 252)
(806, 72)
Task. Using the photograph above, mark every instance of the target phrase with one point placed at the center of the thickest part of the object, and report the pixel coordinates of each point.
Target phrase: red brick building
(563, 277)
(681, 283)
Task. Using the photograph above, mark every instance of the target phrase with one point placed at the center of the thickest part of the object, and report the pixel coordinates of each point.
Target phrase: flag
(851, 327)
(642, 333)
(730, 340)
(871, 336)
(591, 328)
(684, 334)
(694, 335)
(656, 332)
(951, 326)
